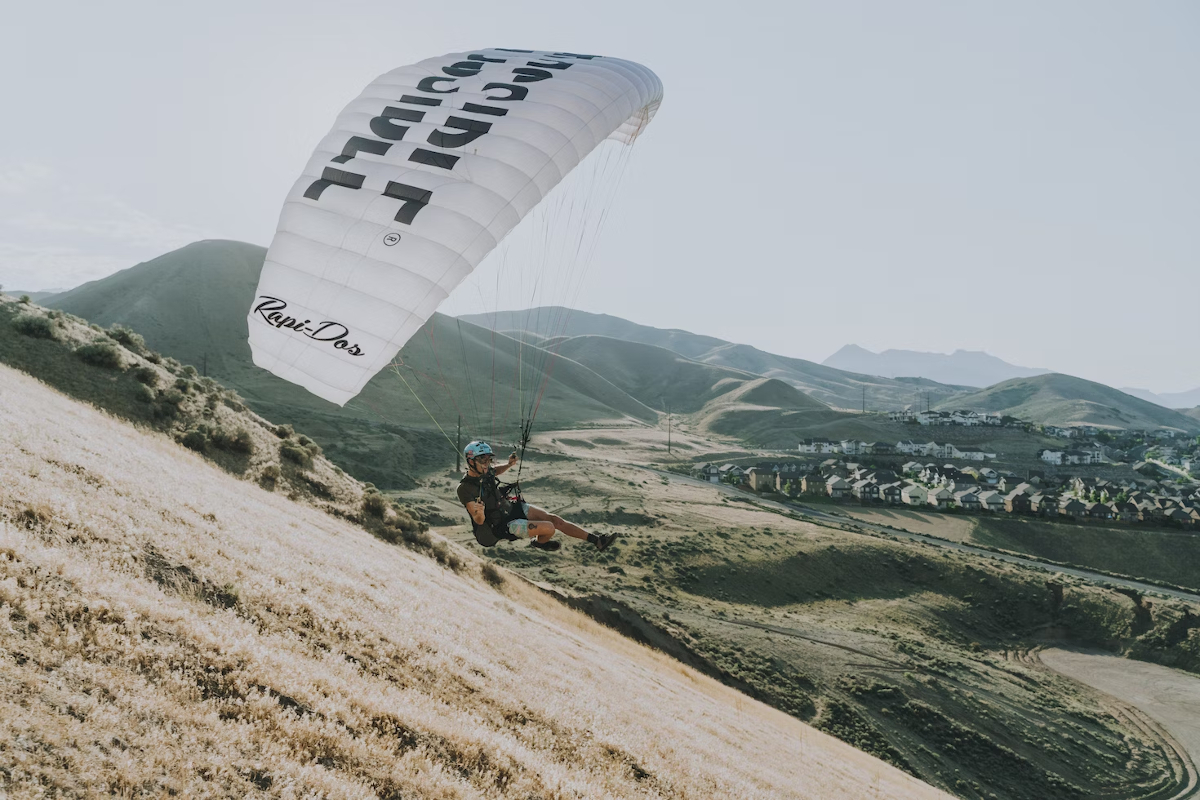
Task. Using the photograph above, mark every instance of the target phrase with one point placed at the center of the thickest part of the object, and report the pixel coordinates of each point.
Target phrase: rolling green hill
(831, 386)
(191, 304)
(1194, 413)
(1058, 399)
(555, 321)
(656, 376)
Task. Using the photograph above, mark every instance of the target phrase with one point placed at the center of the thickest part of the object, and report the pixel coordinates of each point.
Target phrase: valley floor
(894, 644)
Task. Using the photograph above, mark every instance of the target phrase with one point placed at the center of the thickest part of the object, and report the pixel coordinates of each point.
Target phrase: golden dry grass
(166, 628)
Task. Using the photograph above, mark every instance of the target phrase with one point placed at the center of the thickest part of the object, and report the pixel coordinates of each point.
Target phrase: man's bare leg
(570, 529)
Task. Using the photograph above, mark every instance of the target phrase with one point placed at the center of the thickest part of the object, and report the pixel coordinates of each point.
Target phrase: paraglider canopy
(421, 177)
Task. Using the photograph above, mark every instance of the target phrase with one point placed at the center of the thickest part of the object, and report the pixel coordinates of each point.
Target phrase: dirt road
(1169, 697)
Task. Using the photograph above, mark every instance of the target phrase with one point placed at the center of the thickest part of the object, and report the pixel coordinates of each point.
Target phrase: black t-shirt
(497, 510)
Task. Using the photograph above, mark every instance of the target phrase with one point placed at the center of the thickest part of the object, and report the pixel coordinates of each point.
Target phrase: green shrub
(25, 299)
(145, 394)
(297, 455)
(153, 357)
(194, 439)
(183, 385)
(35, 326)
(190, 371)
(271, 472)
(101, 354)
(374, 504)
(127, 338)
(242, 442)
(284, 431)
(147, 376)
(232, 441)
(173, 397)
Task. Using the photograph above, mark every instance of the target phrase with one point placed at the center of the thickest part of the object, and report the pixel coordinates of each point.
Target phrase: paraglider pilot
(499, 512)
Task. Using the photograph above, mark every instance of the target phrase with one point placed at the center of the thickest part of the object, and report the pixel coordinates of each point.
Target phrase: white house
(1052, 456)
(968, 452)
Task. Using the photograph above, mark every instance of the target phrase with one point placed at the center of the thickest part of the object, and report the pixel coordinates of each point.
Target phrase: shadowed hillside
(166, 629)
(831, 386)
(1065, 400)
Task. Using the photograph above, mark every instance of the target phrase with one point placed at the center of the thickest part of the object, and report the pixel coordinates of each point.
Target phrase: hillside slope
(765, 412)
(556, 321)
(831, 386)
(191, 304)
(659, 377)
(167, 628)
(1058, 399)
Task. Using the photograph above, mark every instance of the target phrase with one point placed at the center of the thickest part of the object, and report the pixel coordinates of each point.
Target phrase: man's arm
(503, 468)
(475, 509)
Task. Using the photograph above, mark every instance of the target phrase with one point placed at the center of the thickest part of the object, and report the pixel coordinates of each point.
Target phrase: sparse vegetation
(34, 325)
(101, 354)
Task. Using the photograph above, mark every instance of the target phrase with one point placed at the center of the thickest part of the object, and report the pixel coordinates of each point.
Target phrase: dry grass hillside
(166, 628)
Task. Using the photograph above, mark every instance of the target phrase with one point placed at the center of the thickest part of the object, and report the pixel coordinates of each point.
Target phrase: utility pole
(668, 429)
(864, 398)
(458, 446)
(204, 366)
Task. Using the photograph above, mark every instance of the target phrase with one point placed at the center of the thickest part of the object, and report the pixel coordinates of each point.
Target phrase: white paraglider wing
(421, 177)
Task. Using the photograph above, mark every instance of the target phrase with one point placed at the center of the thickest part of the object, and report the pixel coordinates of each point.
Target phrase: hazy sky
(1021, 178)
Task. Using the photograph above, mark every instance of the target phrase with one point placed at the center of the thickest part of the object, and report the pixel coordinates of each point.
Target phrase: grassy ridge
(1065, 400)
(168, 630)
(831, 386)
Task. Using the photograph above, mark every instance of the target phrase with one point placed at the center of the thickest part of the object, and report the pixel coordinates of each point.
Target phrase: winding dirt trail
(1163, 702)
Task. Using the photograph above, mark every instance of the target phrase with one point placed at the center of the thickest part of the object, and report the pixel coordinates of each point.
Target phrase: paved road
(823, 517)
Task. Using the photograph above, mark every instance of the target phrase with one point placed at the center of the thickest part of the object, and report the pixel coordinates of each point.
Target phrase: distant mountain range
(1065, 400)
(962, 367)
(834, 387)
(1176, 400)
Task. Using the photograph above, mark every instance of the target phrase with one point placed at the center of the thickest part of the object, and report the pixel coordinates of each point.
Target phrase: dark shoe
(550, 546)
(605, 539)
